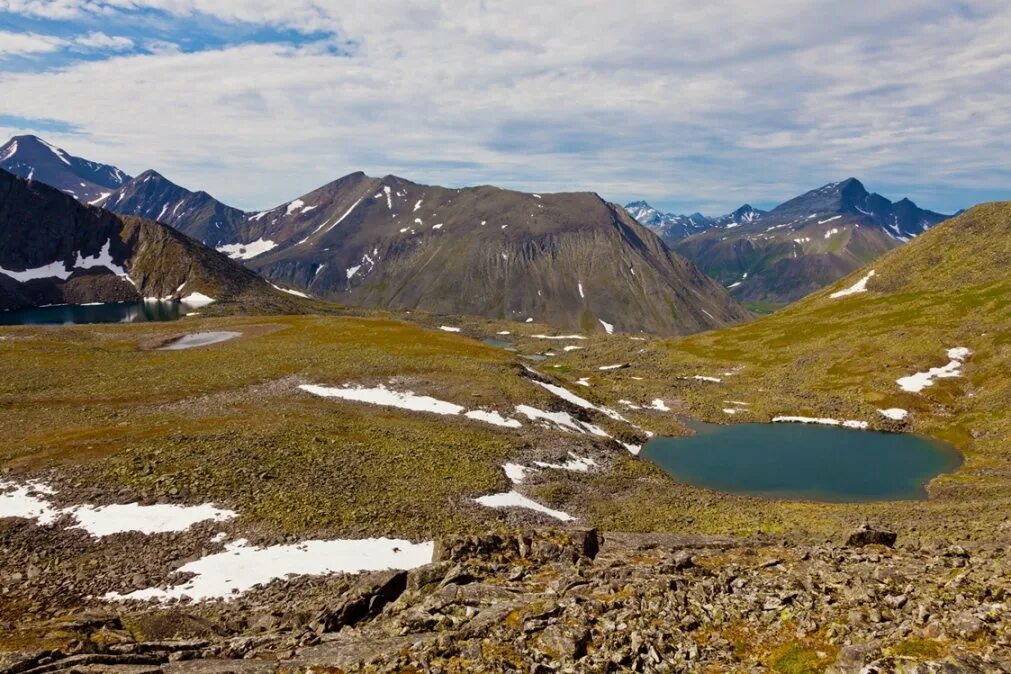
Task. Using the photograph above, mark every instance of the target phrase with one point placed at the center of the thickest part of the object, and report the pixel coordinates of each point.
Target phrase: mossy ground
(228, 423)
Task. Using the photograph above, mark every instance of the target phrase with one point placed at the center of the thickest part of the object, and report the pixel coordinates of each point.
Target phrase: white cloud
(102, 41)
(712, 103)
(25, 44)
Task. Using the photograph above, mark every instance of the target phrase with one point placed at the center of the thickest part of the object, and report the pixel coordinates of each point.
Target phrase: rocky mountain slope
(806, 243)
(572, 260)
(32, 158)
(55, 250)
(672, 227)
(575, 601)
(196, 214)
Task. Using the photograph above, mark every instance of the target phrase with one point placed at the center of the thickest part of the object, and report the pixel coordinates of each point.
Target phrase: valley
(230, 470)
(389, 426)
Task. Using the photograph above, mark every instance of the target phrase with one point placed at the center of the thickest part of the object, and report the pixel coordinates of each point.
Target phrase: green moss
(796, 659)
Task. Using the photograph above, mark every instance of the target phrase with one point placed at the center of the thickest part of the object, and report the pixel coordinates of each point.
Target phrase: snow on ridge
(337, 222)
(608, 327)
(11, 151)
(247, 251)
(915, 383)
(296, 293)
(296, 205)
(858, 287)
(581, 293)
(557, 337)
(58, 269)
(659, 405)
(448, 328)
(60, 154)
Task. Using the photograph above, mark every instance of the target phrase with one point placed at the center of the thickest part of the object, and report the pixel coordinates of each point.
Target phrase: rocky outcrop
(547, 600)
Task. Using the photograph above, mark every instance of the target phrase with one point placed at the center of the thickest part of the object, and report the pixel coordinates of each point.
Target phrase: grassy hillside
(840, 357)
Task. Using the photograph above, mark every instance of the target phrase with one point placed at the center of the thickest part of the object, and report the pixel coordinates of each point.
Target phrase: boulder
(866, 535)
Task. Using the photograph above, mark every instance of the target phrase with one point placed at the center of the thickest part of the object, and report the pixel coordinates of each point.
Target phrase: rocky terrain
(570, 600)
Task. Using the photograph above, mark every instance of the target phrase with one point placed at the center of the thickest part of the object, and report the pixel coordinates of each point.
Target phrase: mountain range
(56, 250)
(672, 227)
(806, 243)
(572, 260)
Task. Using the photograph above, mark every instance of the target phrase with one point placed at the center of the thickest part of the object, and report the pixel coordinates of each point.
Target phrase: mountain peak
(33, 158)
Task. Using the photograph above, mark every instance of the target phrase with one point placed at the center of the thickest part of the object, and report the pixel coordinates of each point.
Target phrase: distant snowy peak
(673, 227)
(744, 215)
(33, 158)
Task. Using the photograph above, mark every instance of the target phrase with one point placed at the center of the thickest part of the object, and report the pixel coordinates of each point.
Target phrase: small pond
(497, 343)
(200, 339)
(797, 461)
(114, 312)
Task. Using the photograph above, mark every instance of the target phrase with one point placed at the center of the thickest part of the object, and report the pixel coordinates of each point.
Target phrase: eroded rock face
(550, 600)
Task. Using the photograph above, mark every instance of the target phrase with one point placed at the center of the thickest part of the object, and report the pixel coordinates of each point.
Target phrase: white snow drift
(514, 499)
(30, 502)
(858, 287)
(917, 382)
(241, 567)
(823, 421)
(247, 251)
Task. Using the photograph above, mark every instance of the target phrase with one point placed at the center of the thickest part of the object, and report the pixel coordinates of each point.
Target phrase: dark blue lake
(118, 312)
(795, 461)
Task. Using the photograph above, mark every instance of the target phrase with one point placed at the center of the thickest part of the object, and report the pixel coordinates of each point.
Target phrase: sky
(692, 106)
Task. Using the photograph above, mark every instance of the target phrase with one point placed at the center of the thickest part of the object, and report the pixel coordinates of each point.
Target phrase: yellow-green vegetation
(795, 659)
(228, 423)
(840, 358)
(918, 648)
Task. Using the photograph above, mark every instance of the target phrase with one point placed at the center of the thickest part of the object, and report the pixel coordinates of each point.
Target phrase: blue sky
(691, 106)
